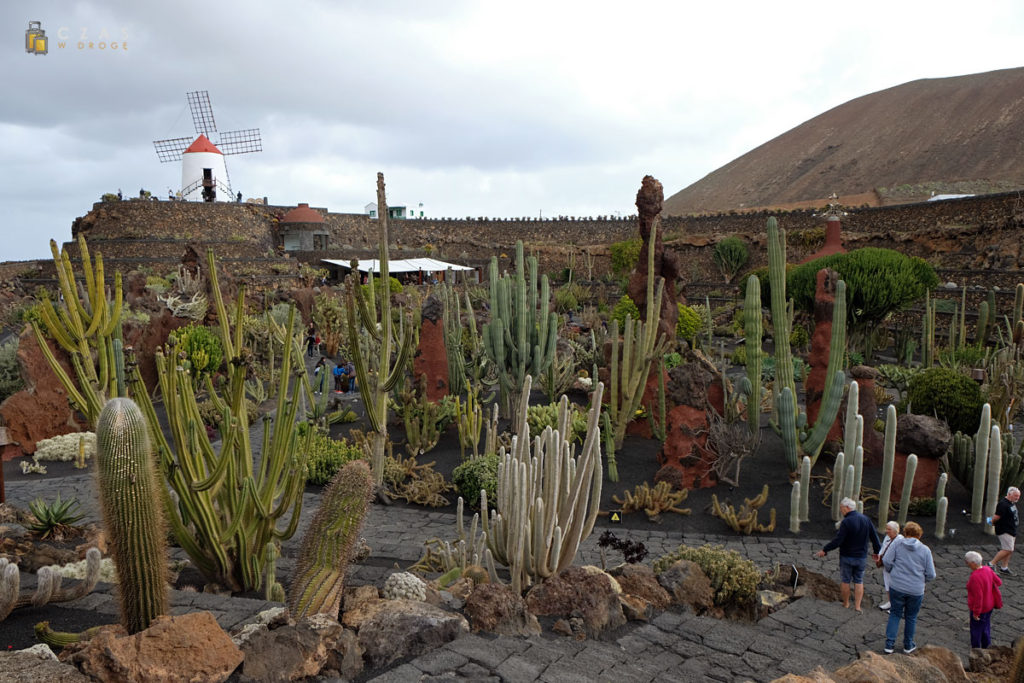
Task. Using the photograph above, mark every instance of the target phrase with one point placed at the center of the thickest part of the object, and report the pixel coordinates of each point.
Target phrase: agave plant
(53, 519)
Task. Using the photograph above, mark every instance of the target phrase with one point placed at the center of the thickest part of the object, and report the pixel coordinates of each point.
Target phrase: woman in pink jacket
(983, 596)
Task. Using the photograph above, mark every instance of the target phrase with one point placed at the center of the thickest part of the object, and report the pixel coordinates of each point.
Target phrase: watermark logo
(36, 42)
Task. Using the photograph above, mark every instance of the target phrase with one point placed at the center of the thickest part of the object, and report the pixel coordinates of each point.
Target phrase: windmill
(204, 174)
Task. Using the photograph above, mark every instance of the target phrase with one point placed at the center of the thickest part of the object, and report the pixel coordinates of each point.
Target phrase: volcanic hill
(963, 134)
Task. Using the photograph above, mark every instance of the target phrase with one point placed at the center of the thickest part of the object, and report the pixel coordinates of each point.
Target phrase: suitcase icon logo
(36, 42)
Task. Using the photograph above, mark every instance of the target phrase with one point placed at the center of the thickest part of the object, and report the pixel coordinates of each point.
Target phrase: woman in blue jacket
(910, 565)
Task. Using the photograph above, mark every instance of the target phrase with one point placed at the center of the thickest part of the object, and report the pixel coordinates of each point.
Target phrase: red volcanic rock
(431, 358)
(833, 240)
(814, 385)
(666, 264)
(685, 449)
(41, 410)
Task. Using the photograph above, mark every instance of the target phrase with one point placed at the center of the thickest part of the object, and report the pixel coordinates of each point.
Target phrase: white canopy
(407, 265)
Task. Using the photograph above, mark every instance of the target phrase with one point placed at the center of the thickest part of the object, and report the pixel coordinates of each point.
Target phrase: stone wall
(975, 236)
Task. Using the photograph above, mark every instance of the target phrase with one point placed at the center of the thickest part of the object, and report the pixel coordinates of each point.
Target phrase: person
(238, 197)
(319, 371)
(310, 342)
(1005, 521)
(910, 566)
(983, 596)
(855, 532)
(350, 370)
(119, 197)
(342, 381)
(892, 535)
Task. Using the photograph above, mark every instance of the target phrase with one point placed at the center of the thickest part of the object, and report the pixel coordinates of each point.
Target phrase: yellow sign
(35, 39)
(615, 516)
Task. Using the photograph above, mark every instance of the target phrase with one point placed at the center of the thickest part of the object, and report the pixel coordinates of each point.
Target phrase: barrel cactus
(131, 499)
(404, 585)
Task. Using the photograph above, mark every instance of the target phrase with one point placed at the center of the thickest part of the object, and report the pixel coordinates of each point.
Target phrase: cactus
(1018, 303)
(327, 545)
(888, 462)
(794, 508)
(548, 498)
(744, 520)
(48, 585)
(941, 509)
(851, 436)
(609, 448)
(810, 440)
(753, 330)
(995, 462)
(273, 590)
(521, 335)
(805, 489)
(452, 327)
(380, 350)
(130, 497)
(85, 325)
(838, 472)
(632, 356)
(858, 469)
(981, 443)
(940, 487)
(928, 333)
(656, 417)
(848, 477)
(469, 418)
(908, 486)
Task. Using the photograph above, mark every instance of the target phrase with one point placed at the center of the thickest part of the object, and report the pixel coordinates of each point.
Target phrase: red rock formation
(814, 385)
(666, 264)
(431, 357)
(41, 409)
(833, 240)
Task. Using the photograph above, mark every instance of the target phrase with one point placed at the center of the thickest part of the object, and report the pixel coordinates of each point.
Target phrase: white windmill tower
(204, 174)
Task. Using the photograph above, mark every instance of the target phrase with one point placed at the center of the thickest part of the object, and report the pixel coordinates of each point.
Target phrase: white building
(204, 175)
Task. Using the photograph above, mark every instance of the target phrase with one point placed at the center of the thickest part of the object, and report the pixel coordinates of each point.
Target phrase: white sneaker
(885, 605)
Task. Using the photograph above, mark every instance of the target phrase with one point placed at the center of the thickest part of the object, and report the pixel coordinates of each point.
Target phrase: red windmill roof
(303, 214)
(203, 144)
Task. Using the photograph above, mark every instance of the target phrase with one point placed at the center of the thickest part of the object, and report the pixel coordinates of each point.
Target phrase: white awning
(408, 265)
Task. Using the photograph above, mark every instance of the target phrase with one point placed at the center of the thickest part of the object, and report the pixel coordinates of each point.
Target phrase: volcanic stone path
(674, 646)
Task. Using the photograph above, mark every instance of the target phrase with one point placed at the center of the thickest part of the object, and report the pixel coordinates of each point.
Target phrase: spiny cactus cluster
(48, 585)
(404, 585)
(327, 546)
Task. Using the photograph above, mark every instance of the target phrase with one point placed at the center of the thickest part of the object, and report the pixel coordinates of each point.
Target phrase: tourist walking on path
(892, 536)
(1005, 521)
(855, 531)
(983, 596)
(910, 566)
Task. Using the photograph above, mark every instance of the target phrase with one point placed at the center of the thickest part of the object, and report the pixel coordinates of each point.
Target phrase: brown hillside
(961, 134)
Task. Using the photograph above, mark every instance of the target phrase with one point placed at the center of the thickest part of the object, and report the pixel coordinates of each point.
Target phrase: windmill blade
(240, 141)
(202, 111)
(171, 149)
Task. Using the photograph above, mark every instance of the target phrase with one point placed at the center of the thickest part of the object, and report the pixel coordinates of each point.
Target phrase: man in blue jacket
(855, 531)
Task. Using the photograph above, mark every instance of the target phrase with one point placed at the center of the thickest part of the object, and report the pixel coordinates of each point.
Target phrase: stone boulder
(407, 628)
(815, 585)
(925, 436)
(37, 663)
(577, 592)
(946, 661)
(686, 582)
(293, 651)
(40, 410)
(497, 609)
(156, 653)
(638, 580)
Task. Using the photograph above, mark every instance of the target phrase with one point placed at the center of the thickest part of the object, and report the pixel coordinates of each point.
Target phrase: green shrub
(947, 395)
(473, 475)
(624, 307)
(157, 284)
(800, 338)
(739, 355)
(734, 578)
(327, 456)
(201, 346)
(10, 375)
(624, 256)
(673, 360)
(395, 286)
(688, 324)
(541, 416)
(53, 519)
(729, 256)
(210, 416)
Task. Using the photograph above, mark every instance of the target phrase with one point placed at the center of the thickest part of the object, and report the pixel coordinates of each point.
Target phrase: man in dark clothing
(1005, 521)
(855, 531)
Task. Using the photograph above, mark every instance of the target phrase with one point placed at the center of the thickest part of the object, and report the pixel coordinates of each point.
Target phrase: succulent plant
(404, 585)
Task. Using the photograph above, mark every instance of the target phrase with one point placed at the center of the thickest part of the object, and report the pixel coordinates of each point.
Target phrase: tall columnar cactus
(521, 335)
(381, 351)
(995, 463)
(908, 486)
(548, 498)
(888, 463)
(848, 478)
(85, 325)
(941, 510)
(753, 331)
(130, 496)
(808, 438)
(1018, 303)
(794, 508)
(858, 470)
(805, 489)
(853, 432)
(327, 546)
(453, 329)
(981, 442)
(928, 333)
(940, 486)
(633, 355)
(48, 585)
(838, 474)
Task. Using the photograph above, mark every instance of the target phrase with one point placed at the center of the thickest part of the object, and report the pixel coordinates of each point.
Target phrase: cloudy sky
(473, 108)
